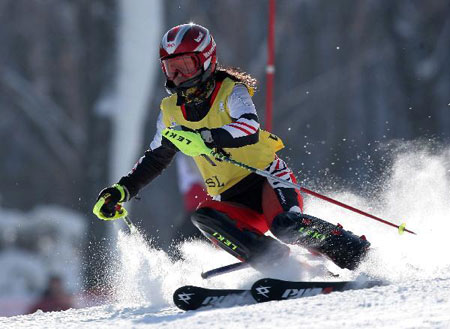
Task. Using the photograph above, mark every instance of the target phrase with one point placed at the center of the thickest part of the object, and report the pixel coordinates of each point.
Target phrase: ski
(267, 289)
(190, 298)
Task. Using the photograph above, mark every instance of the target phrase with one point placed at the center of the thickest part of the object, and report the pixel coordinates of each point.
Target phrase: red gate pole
(270, 68)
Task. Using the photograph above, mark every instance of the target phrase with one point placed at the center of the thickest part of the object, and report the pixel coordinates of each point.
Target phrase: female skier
(216, 104)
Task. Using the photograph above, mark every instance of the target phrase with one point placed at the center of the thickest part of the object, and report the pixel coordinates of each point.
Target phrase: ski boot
(343, 247)
(248, 246)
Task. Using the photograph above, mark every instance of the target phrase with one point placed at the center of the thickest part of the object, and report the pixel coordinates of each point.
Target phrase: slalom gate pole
(401, 228)
(270, 67)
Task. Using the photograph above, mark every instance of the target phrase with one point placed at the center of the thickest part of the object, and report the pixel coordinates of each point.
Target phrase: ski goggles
(182, 67)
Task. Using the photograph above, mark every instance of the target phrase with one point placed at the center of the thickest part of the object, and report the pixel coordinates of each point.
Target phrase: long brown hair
(238, 75)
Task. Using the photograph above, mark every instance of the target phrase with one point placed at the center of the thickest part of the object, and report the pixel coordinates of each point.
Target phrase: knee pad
(241, 243)
(222, 231)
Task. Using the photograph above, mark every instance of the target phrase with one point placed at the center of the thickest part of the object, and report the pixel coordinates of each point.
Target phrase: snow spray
(416, 191)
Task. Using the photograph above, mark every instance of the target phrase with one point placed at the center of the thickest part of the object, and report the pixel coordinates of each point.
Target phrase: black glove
(112, 196)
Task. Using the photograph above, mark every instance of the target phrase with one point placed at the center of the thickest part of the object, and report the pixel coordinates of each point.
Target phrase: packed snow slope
(416, 191)
(414, 304)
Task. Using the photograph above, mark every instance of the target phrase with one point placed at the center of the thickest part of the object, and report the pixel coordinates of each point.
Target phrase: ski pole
(130, 225)
(124, 215)
(224, 269)
(192, 144)
(401, 228)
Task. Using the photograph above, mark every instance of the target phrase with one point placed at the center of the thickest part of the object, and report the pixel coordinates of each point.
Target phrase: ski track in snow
(418, 267)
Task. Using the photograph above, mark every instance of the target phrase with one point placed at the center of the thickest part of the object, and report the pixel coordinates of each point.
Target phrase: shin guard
(344, 248)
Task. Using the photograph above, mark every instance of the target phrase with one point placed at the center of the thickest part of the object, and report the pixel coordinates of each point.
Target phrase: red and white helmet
(188, 56)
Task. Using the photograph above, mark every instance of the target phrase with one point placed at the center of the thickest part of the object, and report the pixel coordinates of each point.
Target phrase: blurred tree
(56, 61)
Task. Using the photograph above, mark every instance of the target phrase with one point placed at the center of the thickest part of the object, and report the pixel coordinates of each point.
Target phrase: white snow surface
(416, 191)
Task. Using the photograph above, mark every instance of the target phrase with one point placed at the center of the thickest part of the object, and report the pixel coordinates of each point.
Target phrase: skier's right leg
(343, 247)
(239, 231)
(283, 209)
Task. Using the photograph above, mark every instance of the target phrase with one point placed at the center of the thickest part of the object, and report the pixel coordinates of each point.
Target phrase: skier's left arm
(244, 130)
(149, 166)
